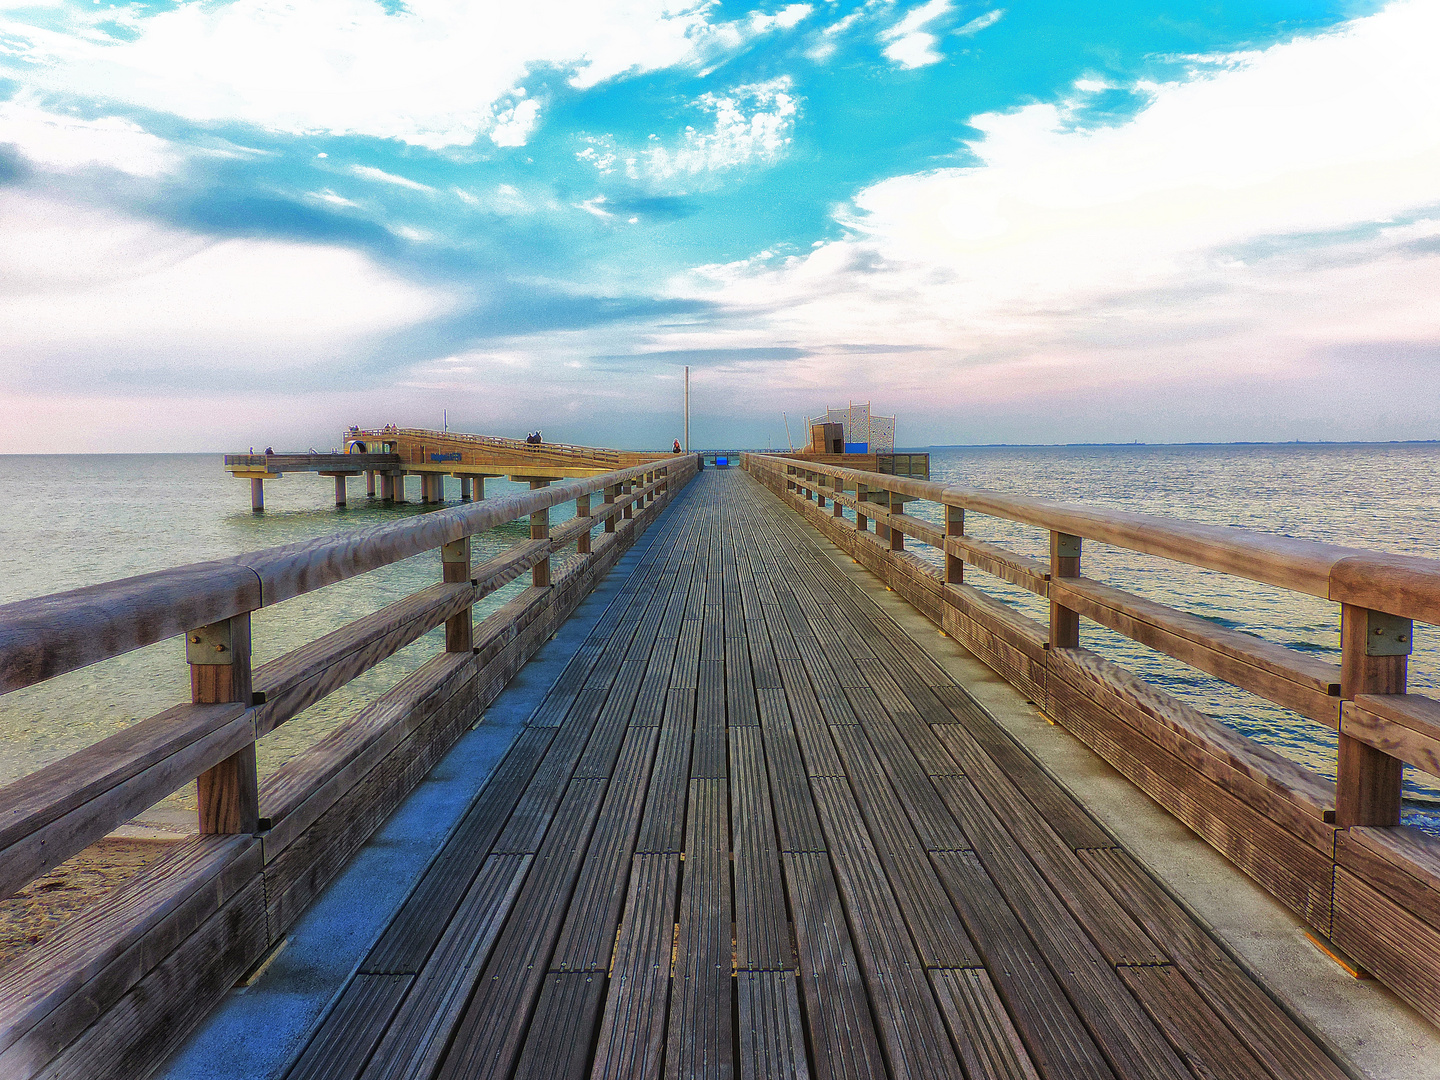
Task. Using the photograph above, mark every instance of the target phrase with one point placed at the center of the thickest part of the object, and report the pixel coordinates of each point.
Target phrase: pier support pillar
(465, 488)
(257, 496)
(540, 530)
(399, 487)
(369, 483)
(387, 487)
(1374, 659)
(339, 489)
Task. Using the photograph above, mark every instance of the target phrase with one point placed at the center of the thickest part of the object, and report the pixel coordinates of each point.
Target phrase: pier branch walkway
(753, 830)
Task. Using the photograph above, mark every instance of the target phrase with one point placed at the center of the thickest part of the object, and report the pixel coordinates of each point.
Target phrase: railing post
(627, 488)
(1374, 658)
(612, 492)
(897, 538)
(455, 567)
(219, 658)
(1064, 563)
(862, 495)
(540, 530)
(582, 510)
(954, 526)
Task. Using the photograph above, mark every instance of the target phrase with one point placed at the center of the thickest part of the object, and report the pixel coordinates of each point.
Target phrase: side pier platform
(753, 828)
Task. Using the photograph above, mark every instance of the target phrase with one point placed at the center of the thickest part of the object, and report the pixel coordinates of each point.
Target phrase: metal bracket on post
(210, 645)
(1388, 635)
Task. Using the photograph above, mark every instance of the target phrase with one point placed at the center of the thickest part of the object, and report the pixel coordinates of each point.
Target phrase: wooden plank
(796, 824)
(1285, 1050)
(491, 1033)
(1403, 863)
(1059, 809)
(1127, 1037)
(1393, 944)
(699, 1042)
(837, 1013)
(155, 1015)
(762, 928)
(1309, 686)
(418, 924)
(63, 808)
(1404, 726)
(809, 722)
(708, 758)
(51, 993)
(588, 936)
(633, 1028)
(989, 1045)
(525, 831)
(1198, 1035)
(907, 1018)
(662, 828)
(1031, 574)
(1057, 1041)
(342, 1044)
(559, 1044)
(772, 1044)
(416, 1037)
(939, 938)
(1119, 939)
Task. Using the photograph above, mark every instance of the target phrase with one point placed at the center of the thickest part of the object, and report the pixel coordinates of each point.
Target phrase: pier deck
(754, 830)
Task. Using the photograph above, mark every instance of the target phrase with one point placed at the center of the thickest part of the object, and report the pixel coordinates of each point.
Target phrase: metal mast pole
(687, 408)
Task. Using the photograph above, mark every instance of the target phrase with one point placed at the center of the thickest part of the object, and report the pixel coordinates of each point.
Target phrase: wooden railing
(113, 990)
(1334, 853)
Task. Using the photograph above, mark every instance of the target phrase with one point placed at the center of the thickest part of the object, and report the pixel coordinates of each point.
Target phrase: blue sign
(857, 448)
(446, 457)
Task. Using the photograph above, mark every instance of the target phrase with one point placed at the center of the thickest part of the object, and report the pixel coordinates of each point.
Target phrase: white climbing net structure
(862, 426)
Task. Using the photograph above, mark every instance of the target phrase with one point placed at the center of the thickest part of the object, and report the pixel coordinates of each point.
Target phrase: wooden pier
(753, 829)
(386, 456)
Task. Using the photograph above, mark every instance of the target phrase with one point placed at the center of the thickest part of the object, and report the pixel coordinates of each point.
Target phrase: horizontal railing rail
(58, 810)
(1250, 802)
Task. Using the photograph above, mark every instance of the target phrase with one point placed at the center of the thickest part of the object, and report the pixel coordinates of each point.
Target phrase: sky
(242, 222)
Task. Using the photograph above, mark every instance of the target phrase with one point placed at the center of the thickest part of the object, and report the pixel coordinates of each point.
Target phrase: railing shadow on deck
(119, 986)
(1333, 853)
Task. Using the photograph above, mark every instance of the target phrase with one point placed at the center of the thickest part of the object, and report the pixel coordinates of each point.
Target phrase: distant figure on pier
(269, 450)
(677, 446)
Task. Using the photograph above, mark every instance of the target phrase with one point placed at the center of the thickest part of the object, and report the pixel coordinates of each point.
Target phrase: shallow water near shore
(80, 520)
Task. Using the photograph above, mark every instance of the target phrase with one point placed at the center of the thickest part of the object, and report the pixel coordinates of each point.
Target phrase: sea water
(71, 521)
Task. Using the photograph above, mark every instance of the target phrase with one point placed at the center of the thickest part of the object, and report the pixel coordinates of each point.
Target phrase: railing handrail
(1403, 585)
(597, 452)
(46, 636)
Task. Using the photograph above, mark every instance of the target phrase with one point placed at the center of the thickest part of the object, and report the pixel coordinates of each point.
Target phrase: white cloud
(981, 22)
(369, 172)
(911, 44)
(108, 292)
(752, 125)
(1251, 217)
(60, 141)
(433, 73)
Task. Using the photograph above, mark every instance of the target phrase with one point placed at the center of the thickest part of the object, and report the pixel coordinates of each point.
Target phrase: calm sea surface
(73, 521)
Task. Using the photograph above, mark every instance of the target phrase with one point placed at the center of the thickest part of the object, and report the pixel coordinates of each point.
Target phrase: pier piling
(339, 489)
(369, 483)
(257, 496)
